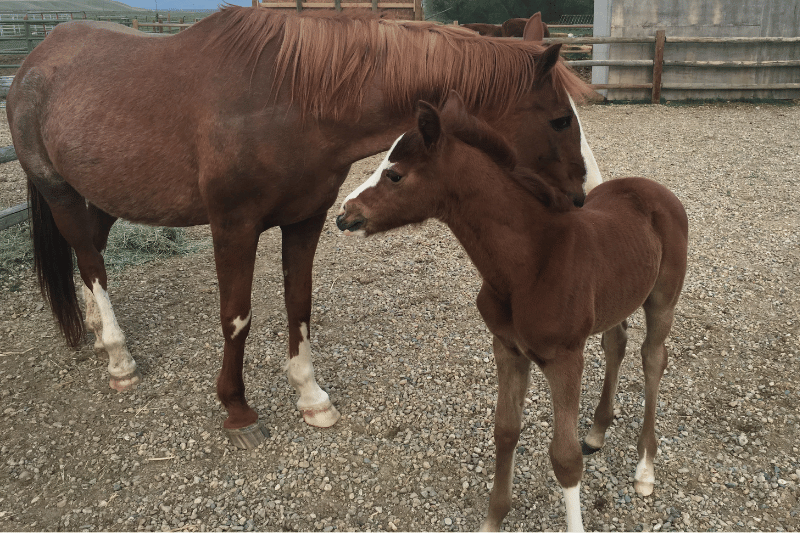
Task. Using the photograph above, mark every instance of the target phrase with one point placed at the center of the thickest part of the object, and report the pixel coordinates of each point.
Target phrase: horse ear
(545, 63)
(454, 106)
(428, 123)
(534, 28)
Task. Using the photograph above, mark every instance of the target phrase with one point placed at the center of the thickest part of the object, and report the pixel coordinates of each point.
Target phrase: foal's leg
(513, 376)
(563, 373)
(658, 318)
(299, 245)
(235, 256)
(77, 224)
(613, 343)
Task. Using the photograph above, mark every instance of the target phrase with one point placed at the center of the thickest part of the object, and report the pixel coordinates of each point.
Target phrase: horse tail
(52, 261)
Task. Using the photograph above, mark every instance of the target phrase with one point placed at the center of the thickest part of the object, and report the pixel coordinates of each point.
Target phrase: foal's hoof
(643, 488)
(323, 416)
(248, 437)
(587, 449)
(125, 383)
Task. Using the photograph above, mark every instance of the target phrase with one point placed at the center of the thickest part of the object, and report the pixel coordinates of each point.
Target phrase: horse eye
(560, 124)
(392, 175)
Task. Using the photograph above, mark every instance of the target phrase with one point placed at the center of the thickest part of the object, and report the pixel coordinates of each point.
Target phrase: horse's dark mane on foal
(331, 59)
(473, 131)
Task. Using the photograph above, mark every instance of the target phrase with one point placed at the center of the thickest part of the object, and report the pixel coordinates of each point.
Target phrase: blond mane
(332, 60)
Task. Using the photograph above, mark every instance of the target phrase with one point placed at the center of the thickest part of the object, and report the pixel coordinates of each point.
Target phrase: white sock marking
(300, 372)
(593, 176)
(572, 501)
(239, 323)
(120, 362)
(373, 179)
(645, 471)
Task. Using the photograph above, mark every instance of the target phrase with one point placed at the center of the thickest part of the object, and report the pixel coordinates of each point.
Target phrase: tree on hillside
(498, 11)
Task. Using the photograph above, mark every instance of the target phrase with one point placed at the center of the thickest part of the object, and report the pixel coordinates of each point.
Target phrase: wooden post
(135, 24)
(658, 65)
(418, 13)
(299, 6)
(337, 4)
(375, 5)
(28, 39)
(255, 3)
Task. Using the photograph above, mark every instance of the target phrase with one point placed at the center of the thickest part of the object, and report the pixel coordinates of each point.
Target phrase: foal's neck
(499, 224)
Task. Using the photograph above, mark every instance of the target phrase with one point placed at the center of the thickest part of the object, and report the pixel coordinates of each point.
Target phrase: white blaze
(593, 176)
(372, 181)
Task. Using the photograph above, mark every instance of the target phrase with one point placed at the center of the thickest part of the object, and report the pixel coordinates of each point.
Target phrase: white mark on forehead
(593, 176)
(372, 181)
(239, 324)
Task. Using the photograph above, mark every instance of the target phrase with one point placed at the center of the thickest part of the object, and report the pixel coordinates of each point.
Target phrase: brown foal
(553, 274)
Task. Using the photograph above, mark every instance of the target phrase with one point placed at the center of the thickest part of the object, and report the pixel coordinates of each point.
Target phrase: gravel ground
(401, 349)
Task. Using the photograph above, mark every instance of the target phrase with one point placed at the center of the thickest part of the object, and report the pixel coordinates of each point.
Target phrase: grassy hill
(24, 6)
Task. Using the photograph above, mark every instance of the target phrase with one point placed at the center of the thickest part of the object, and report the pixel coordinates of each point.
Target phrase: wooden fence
(660, 41)
(410, 6)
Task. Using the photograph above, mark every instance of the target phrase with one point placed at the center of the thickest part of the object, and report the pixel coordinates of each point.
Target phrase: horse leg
(235, 257)
(102, 223)
(658, 318)
(299, 245)
(513, 376)
(75, 225)
(613, 343)
(563, 373)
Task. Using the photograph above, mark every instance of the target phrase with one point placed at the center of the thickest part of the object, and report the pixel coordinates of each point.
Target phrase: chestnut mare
(249, 119)
(553, 275)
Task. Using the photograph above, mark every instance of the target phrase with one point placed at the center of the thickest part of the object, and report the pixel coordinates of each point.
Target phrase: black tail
(54, 268)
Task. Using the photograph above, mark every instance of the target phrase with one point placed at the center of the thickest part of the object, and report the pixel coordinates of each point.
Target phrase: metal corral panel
(692, 18)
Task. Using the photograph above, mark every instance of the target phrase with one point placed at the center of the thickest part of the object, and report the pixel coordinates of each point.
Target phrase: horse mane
(331, 60)
(475, 132)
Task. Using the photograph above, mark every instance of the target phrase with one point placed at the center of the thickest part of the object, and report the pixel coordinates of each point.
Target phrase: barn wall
(693, 18)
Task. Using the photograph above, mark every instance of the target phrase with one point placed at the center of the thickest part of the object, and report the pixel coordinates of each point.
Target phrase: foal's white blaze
(372, 181)
(572, 501)
(314, 402)
(593, 176)
(239, 324)
(121, 365)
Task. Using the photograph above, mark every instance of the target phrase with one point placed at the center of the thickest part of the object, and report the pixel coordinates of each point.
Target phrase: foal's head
(449, 154)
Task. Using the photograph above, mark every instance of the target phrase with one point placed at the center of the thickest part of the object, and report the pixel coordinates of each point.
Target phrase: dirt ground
(401, 349)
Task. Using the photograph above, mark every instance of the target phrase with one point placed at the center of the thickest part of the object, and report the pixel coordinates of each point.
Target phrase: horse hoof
(248, 437)
(321, 418)
(643, 488)
(125, 383)
(587, 449)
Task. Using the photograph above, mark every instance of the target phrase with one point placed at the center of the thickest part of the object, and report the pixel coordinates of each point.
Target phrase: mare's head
(448, 154)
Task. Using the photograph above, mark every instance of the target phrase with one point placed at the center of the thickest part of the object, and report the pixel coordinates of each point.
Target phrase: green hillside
(35, 6)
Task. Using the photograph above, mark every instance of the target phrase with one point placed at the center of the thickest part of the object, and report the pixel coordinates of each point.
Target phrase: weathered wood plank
(14, 215)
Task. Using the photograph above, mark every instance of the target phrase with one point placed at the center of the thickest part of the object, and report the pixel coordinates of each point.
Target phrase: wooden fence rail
(660, 40)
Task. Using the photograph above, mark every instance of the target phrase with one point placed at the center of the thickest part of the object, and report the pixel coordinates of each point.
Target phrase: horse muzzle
(353, 225)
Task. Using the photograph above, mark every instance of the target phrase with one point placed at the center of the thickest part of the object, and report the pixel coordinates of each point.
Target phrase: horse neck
(498, 224)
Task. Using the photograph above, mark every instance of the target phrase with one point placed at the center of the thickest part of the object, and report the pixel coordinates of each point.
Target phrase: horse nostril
(340, 222)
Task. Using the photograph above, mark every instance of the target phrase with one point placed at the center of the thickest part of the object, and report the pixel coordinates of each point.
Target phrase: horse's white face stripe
(239, 324)
(372, 181)
(593, 176)
(572, 501)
